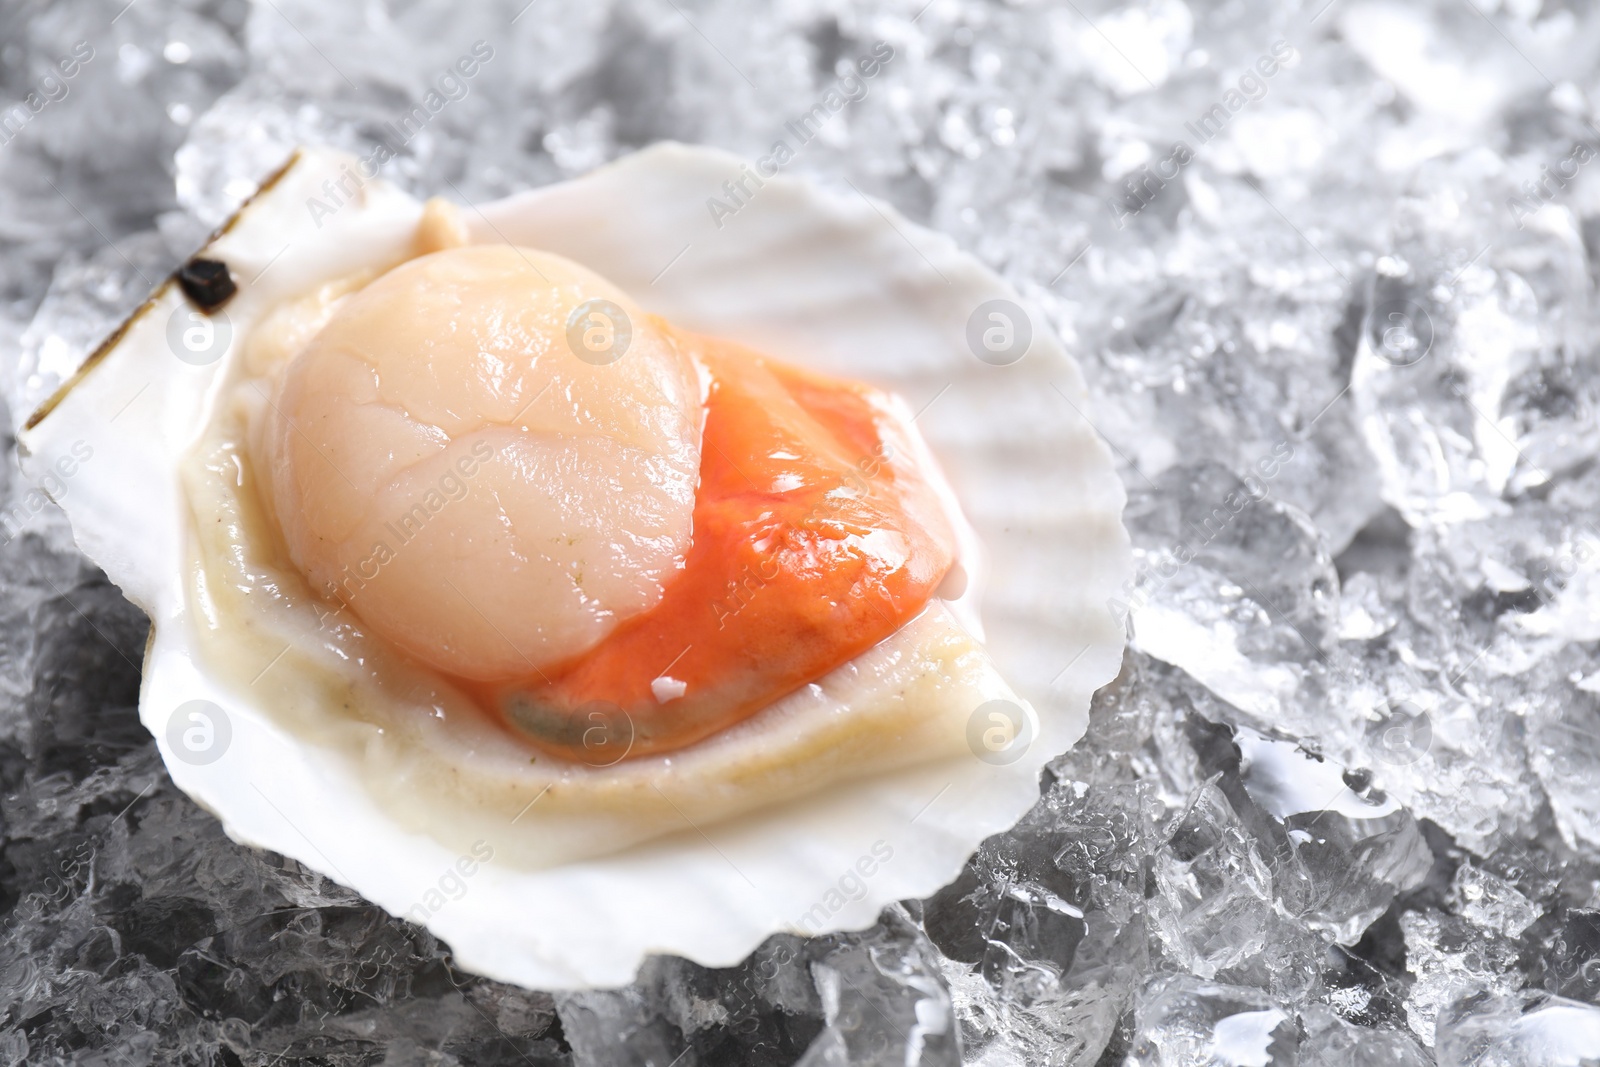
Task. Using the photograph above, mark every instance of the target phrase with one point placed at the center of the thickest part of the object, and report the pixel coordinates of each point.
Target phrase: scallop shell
(836, 282)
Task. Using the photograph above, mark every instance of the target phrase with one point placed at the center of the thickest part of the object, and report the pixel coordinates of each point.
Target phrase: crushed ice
(1330, 272)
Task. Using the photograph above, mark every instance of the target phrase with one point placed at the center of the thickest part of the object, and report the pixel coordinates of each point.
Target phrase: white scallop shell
(836, 282)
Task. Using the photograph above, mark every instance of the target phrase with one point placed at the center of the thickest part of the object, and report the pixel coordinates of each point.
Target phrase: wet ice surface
(1343, 805)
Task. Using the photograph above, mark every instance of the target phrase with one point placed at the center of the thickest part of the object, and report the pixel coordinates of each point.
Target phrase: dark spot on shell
(207, 283)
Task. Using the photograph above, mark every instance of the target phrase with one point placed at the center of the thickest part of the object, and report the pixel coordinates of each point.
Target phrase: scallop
(426, 448)
(488, 503)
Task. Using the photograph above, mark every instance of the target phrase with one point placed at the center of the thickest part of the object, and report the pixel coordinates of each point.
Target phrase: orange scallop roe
(815, 536)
